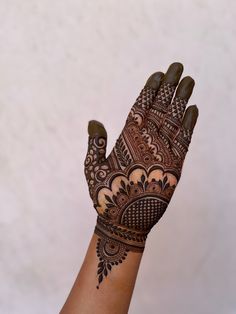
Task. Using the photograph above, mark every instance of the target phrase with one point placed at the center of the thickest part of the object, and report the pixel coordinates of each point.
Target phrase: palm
(137, 180)
(132, 187)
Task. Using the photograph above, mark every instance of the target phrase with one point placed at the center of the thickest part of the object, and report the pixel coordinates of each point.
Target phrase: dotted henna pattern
(131, 189)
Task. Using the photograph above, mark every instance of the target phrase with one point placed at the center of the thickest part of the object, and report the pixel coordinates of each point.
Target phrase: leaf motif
(108, 198)
(167, 185)
(100, 270)
(105, 272)
(100, 264)
(140, 184)
(109, 205)
(122, 184)
(120, 158)
(145, 185)
(128, 160)
(143, 178)
(100, 278)
(114, 198)
(128, 188)
(122, 191)
(165, 180)
(109, 266)
(122, 153)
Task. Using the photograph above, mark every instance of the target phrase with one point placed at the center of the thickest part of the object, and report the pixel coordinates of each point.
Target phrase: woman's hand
(132, 187)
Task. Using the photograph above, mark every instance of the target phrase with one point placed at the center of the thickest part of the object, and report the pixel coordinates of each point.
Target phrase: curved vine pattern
(131, 189)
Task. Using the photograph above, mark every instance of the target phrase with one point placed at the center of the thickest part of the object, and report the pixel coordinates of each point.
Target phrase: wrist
(134, 240)
(113, 244)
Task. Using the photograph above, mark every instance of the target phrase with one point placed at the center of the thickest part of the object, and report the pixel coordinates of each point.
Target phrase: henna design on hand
(132, 187)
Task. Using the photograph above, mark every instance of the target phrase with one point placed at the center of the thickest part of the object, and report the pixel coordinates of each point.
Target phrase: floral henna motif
(131, 189)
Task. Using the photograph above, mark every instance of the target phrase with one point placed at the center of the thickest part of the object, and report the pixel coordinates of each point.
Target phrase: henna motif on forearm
(131, 188)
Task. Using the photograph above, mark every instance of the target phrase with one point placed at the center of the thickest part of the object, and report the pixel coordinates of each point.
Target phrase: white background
(63, 63)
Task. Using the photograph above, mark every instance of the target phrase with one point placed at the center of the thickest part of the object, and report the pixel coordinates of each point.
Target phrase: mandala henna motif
(131, 189)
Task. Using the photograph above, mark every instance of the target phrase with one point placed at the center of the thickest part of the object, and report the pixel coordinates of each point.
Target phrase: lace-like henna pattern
(131, 189)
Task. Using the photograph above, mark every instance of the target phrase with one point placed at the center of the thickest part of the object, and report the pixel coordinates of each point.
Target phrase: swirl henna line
(95, 172)
(131, 189)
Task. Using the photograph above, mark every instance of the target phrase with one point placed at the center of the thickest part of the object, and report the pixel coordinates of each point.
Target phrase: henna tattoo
(131, 189)
(96, 168)
(110, 253)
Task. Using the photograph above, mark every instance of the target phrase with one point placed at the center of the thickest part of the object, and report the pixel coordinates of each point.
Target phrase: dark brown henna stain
(131, 189)
(110, 253)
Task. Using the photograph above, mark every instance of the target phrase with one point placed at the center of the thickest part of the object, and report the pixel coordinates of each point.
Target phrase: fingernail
(174, 73)
(190, 117)
(154, 80)
(185, 88)
(96, 128)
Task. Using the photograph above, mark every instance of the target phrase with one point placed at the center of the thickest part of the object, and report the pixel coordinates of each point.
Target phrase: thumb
(96, 128)
(97, 141)
(94, 165)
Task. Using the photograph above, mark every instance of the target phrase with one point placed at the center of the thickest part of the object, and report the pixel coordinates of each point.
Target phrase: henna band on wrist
(133, 239)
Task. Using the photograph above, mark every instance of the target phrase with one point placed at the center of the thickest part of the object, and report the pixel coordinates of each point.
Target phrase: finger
(182, 95)
(167, 88)
(154, 81)
(174, 116)
(97, 139)
(96, 128)
(95, 164)
(164, 95)
(145, 99)
(190, 118)
(183, 138)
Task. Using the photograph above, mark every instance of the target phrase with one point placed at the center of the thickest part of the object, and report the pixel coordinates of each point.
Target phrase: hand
(132, 187)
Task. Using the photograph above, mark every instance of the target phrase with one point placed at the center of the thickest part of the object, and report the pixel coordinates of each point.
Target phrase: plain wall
(63, 63)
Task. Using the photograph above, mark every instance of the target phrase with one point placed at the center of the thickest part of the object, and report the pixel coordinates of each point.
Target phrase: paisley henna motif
(131, 189)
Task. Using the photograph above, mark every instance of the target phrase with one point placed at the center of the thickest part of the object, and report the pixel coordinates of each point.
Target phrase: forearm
(115, 293)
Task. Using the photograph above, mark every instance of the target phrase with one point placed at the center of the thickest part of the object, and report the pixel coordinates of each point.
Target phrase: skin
(114, 297)
(116, 292)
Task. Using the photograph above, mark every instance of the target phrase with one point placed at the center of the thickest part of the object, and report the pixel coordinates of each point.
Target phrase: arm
(131, 189)
(115, 295)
